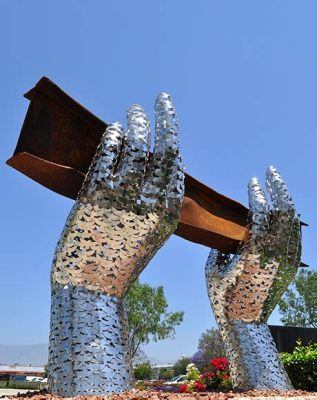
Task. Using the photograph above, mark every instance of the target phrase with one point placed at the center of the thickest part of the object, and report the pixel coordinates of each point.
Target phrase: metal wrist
(88, 349)
(253, 357)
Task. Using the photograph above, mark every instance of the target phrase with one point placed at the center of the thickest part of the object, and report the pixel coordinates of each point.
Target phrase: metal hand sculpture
(127, 208)
(245, 289)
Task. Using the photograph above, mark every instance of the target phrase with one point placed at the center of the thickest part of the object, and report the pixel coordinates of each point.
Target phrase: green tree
(140, 357)
(180, 365)
(148, 317)
(166, 373)
(298, 306)
(210, 346)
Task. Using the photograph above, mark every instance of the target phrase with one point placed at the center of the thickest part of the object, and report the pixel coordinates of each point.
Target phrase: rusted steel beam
(58, 140)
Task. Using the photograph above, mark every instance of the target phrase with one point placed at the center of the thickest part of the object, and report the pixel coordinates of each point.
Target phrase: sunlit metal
(127, 208)
(244, 289)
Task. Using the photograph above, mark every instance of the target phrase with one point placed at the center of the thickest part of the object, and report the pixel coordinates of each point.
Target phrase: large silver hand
(245, 289)
(127, 208)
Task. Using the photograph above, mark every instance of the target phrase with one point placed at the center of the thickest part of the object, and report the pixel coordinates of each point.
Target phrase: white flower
(190, 366)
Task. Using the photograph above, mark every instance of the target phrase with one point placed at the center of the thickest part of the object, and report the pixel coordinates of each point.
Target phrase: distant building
(8, 372)
(156, 369)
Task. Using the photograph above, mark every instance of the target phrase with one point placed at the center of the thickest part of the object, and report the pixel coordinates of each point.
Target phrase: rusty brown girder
(56, 145)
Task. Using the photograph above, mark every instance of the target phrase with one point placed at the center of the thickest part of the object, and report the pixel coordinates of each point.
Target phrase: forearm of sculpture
(253, 357)
(88, 342)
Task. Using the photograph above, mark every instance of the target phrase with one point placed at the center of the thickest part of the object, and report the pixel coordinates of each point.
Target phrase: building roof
(21, 370)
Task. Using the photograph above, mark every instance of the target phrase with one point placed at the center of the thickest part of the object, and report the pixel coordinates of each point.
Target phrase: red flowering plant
(220, 364)
(184, 388)
(218, 379)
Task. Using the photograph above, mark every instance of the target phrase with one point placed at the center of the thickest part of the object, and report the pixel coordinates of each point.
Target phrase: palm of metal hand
(129, 204)
(248, 286)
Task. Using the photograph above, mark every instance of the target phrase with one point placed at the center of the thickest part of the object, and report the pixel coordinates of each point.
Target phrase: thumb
(217, 264)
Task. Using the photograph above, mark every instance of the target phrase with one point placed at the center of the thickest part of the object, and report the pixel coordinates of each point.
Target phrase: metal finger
(131, 169)
(102, 167)
(258, 208)
(216, 264)
(176, 187)
(166, 124)
(284, 233)
(281, 199)
(166, 150)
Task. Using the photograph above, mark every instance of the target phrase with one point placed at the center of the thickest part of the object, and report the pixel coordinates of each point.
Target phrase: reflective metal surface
(127, 208)
(244, 289)
(88, 343)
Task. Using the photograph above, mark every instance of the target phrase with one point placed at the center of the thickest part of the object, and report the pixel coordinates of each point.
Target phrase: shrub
(217, 379)
(180, 366)
(20, 385)
(166, 373)
(143, 371)
(140, 385)
(301, 366)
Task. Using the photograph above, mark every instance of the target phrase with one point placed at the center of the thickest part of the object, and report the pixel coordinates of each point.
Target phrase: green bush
(140, 385)
(180, 365)
(143, 371)
(20, 385)
(301, 366)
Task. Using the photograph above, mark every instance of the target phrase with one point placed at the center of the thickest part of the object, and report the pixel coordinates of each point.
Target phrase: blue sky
(244, 82)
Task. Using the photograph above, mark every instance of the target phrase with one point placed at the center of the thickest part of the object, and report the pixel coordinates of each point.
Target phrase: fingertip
(166, 117)
(134, 110)
(212, 260)
(277, 188)
(138, 125)
(213, 255)
(164, 99)
(115, 126)
(257, 199)
(166, 147)
(114, 135)
(254, 182)
(271, 170)
(105, 159)
(270, 175)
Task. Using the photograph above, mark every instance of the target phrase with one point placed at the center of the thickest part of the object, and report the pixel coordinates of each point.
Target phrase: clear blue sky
(243, 75)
